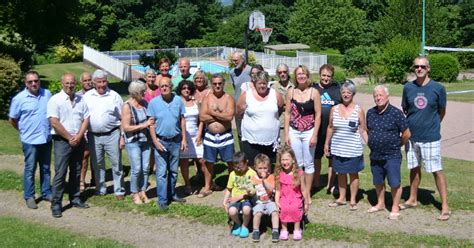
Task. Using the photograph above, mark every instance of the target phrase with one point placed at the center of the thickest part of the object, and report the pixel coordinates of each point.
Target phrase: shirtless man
(217, 111)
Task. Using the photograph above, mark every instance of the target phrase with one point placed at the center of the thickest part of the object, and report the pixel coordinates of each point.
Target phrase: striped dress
(346, 141)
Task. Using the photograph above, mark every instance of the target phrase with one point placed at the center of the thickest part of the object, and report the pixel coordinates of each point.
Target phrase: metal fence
(270, 61)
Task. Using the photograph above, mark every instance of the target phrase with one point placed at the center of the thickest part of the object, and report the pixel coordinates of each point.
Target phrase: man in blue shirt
(387, 129)
(169, 137)
(28, 116)
(424, 103)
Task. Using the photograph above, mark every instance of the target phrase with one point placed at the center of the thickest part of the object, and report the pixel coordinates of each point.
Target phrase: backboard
(256, 20)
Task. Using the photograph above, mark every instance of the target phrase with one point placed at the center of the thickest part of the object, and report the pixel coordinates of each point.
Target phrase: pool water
(202, 65)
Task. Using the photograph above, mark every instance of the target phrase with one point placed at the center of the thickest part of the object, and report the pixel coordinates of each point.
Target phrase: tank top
(346, 140)
(260, 124)
(191, 115)
(138, 116)
(302, 114)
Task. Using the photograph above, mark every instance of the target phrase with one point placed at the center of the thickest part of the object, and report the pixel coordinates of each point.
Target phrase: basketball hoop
(265, 32)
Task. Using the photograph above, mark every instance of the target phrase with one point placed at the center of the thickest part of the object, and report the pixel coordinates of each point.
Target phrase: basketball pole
(423, 29)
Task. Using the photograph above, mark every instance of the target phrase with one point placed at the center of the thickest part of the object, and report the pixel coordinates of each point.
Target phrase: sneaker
(283, 235)
(31, 203)
(297, 235)
(163, 206)
(179, 199)
(56, 211)
(244, 232)
(48, 198)
(79, 204)
(256, 236)
(236, 230)
(275, 237)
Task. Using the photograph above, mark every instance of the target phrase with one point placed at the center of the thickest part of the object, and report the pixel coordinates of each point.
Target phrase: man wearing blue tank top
(424, 103)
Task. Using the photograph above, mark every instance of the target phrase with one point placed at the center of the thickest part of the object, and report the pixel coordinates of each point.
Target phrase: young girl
(290, 192)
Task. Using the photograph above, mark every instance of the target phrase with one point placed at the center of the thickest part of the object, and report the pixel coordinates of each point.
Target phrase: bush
(47, 57)
(153, 60)
(10, 76)
(17, 47)
(397, 56)
(444, 67)
(339, 76)
(336, 59)
(466, 59)
(357, 58)
(56, 86)
(67, 53)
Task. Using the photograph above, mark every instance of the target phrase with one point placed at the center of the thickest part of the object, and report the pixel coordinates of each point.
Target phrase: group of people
(167, 121)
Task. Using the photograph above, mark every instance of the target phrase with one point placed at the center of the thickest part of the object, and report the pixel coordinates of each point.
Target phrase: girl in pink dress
(290, 192)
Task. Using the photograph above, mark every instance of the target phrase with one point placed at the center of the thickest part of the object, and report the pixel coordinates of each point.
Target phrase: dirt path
(148, 230)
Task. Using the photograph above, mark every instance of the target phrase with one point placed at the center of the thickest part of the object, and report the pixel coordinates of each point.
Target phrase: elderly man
(217, 111)
(387, 130)
(184, 70)
(239, 74)
(104, 136)
(69, 117)
(28, 116)
(424, 103)
(282, 86)
(169, 137)
(86, 83)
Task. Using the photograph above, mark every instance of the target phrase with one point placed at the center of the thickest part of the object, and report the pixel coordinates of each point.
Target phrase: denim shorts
(389, 169)
(240, 205)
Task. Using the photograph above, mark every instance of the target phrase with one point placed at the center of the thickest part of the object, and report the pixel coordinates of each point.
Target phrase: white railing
(112, 65)
(270, 61)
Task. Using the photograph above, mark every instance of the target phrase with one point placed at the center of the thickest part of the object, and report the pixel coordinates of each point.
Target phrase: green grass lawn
(53, 72)
(15, 232)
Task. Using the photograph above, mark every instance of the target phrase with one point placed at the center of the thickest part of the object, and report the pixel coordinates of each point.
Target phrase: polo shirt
(384, 131)
(421, 105)
(71, 114)
(176, 80)
(167, 115)
(30, 112)
(105, 110)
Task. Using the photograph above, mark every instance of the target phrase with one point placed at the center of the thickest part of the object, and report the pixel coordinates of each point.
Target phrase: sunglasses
(419, 66)
(32, 81)
(185, 88)
(281, 72)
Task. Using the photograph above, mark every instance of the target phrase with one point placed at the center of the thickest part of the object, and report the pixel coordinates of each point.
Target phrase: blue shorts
(240, 205)
(221, 143)
(389, 169)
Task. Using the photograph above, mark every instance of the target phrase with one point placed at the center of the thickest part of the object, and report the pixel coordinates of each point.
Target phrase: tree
(338, 25)
(138, 39)
(467, 22)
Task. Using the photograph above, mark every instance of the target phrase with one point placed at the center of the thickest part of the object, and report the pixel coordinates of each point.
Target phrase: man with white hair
(239, 75)
(387, 130)
(104, 133)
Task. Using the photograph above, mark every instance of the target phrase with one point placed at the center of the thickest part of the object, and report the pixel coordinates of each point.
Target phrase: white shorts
(427, 152)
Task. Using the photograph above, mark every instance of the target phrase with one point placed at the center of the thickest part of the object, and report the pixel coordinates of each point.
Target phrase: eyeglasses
(282, 72)
(32, 81)
(419, 66)
(216, 84)
(165, 86)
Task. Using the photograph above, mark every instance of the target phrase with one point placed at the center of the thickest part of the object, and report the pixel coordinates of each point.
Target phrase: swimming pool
(202, 65)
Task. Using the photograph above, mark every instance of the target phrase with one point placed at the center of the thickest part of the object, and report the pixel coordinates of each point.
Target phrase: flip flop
(204, 194)
(444, 216)
(406, 206)
(336, 204)
(394, 216)
(374, 210)
(353, 207)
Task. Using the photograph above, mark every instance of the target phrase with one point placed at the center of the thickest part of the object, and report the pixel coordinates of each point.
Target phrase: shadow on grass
(425, 197)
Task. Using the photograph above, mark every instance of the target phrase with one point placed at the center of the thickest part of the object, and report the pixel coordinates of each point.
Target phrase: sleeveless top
(260, 124)
(346, 140)
(191, 115)
(302, 114)
(138, 116)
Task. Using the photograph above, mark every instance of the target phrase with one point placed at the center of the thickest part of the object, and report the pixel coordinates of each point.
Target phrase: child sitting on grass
(264, 183)
(238, 194)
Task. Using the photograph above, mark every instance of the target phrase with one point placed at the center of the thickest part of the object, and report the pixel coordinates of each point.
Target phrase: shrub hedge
(10, 76)
(444, 67)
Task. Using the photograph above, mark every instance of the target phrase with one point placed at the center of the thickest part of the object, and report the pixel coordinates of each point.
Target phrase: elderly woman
(260, 107)
(343, 142)
(202, 89)
(152, 89)
(194, 129)
(253, 72)
(302, 120)
(137, 140)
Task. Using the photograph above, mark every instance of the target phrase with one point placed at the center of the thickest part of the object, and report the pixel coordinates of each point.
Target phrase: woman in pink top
(152, 89)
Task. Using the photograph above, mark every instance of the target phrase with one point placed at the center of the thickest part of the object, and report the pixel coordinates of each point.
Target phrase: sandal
(203, 194)
(353, 207)
(336, 204)
(136, 199)
(394, 216)
(444, 216)
(143, 197)
(374, 209)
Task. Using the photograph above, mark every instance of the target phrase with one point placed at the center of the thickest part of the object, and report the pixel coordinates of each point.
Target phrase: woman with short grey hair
(202, 89)
(345, 132)
(137, 140)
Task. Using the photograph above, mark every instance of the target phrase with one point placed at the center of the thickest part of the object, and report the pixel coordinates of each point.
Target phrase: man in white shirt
(104, 133)
(69, 117)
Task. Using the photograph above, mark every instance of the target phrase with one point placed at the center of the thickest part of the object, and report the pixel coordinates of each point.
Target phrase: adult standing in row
(28, 115)
(387, 130)
(152, 89)
(217, 111)
(202, 87)
(194, 131)
(69, 117)
(250, 84)
(282, 86)
(184, 72)
(260, 107)
(330, 92)
(239, 75)
(164, 70)
(302, 121)
(86, 83)
(169, 138)
(104, 133)
(424, 103)
(135, 124)
(345, 133)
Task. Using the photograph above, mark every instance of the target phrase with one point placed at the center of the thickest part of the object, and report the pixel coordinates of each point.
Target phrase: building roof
(292, 46)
